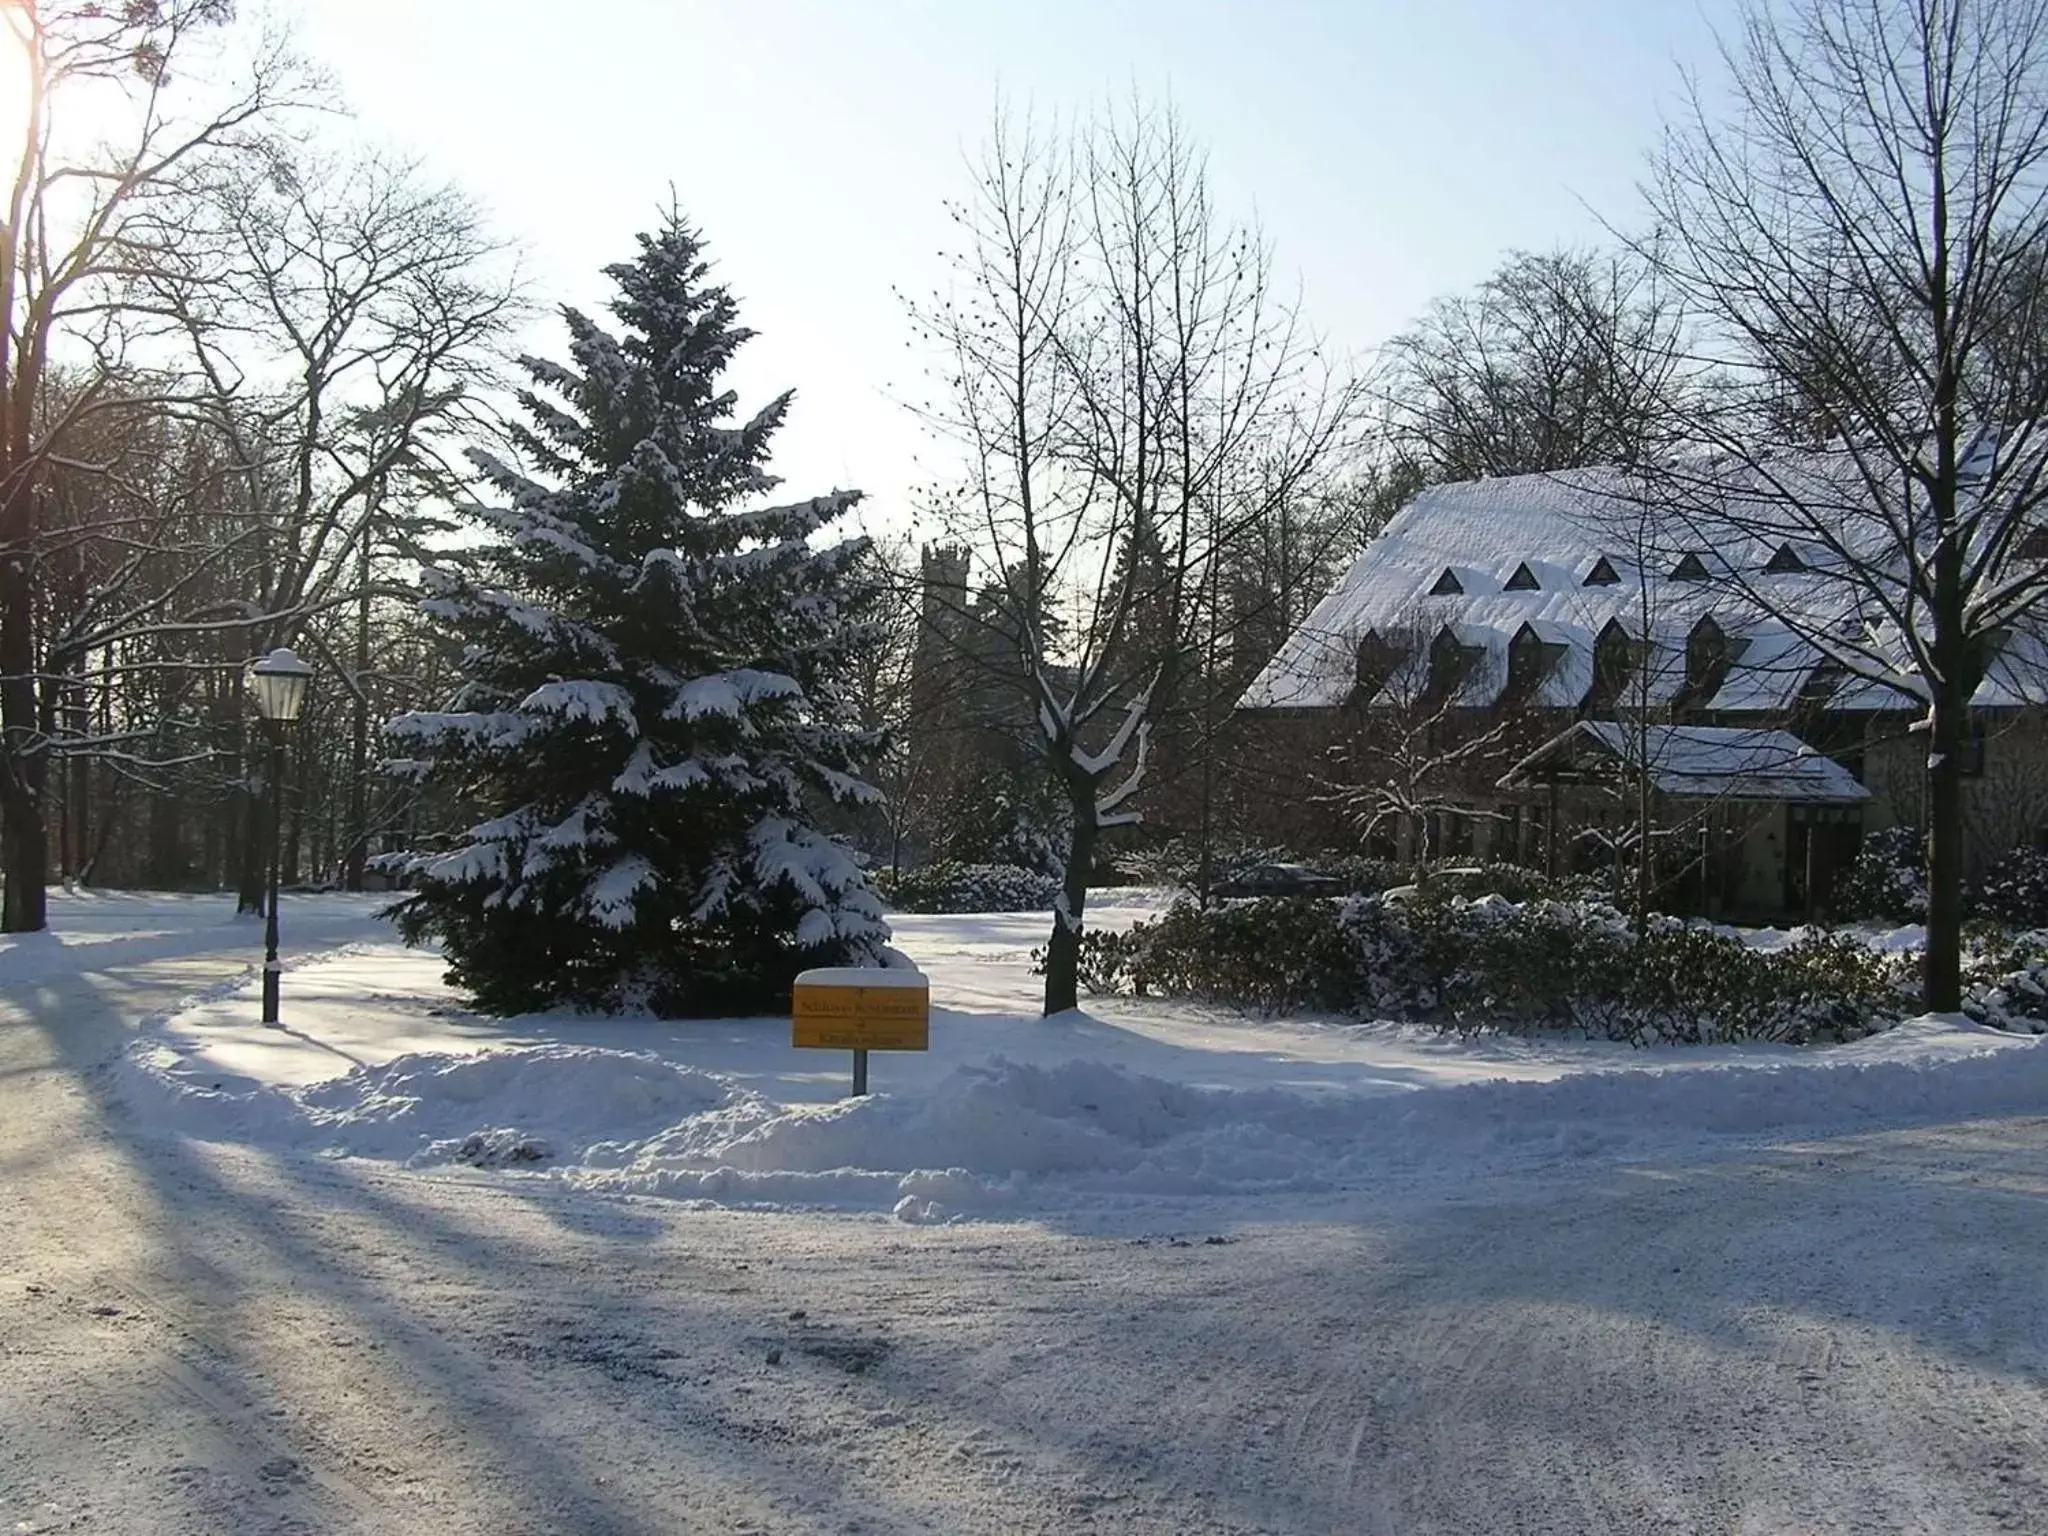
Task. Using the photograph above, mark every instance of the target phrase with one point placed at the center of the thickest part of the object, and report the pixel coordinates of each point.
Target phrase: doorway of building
(1820, 842)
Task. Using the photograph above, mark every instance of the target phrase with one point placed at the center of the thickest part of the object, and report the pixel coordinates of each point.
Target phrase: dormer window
(1531, 659)
(1377, 659)
(1448, 585)
(1524, 580)
(1822, 683)
(2034, 543)
(1451, 663)
(1616, 654)
(1785, 562)
(1602, 575)
(1690, 567)
(1987, 652)
(1709, 654)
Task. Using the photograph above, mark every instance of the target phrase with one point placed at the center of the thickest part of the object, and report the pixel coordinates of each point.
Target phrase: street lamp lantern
(279, 682)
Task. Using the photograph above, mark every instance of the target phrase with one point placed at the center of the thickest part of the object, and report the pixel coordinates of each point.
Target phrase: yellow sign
(856, 1009)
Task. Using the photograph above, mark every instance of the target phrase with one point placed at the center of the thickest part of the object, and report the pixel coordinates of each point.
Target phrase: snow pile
(1006, 1135)
(539, 1104)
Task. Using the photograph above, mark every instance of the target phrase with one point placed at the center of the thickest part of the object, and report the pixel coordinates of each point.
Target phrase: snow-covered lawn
(1007, 1113)
(1148, 1269)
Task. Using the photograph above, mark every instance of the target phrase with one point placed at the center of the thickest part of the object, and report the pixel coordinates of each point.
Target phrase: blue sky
(1392, 150)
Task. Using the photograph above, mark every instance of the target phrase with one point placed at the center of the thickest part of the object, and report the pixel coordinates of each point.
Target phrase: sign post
(861, 1009)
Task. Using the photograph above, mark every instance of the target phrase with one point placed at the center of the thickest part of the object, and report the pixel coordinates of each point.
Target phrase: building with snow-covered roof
(1491, 618)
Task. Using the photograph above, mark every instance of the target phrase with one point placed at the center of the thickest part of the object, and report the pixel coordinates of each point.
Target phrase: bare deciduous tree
(1438, 725)
(1862, 211)
(1558, 361)
(1127, 390)
(342, 316)
(81, 219)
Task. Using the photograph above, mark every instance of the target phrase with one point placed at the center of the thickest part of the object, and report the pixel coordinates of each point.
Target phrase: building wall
(1271, 792)
(2005, 801)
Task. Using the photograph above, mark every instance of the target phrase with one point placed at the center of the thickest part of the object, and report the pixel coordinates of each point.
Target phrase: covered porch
(1742, 822)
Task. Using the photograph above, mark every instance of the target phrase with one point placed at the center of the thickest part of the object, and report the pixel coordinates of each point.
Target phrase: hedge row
(1888, 883)
(943, 886)
(2005, 979)
(1494, 964)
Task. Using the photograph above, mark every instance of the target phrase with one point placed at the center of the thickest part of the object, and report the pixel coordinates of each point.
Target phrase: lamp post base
(270, 979)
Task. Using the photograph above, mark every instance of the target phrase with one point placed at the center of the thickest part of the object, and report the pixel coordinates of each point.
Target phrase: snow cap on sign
(863, 976)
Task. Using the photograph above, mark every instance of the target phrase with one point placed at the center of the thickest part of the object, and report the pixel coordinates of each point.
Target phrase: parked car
(1280, 880)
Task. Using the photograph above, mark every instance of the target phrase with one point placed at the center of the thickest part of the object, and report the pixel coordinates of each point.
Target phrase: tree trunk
(292, 792)
(24, 903)
(164, 862)
(1645, 871)
(1063, 950)
(359, 737)
(1943, 961)
(78, 788)
(1551, 863)
(24, 849)
(252, 856)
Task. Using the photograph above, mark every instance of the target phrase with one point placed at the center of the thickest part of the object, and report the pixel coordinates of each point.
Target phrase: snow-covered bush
(1887, 882)
(943, 886)
(1177, 861)
(1490, 964)
(1272, 954)
(2005, 979)
(2014, 890)
(1513, 882)
(1364, 875)
(1496, 965)
(1005, 816)
(1692, 986)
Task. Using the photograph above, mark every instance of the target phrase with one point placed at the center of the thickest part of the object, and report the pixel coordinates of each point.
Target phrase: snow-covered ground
(1148, 1267)
(1007, 1113)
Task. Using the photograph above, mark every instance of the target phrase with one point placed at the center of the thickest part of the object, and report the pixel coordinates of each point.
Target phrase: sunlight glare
(13, 78)
(83, 113)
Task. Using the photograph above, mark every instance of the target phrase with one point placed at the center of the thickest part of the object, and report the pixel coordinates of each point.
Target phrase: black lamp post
(279, 682)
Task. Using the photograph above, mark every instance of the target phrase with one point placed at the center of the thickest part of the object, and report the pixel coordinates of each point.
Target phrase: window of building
(2034, 544)
(1505, 843)
(1603, 574)
(1376, 660)
(1710, 653)
(1973, 748)
(1531, 659)
(1451, 663)
(1784, 562)
(1454, 834)
(1690, 567)
(1447, 585)
(1615, 656)
(1822, 684)
(1524, 580)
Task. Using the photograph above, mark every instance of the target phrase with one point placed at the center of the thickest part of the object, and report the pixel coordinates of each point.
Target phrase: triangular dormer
(1448, 585)
(1690, 567)
(1785, 562)
(1710, 652)
(1452, 663)
(1524, 580)
(1603, 574)
(1531, 659)
(1377, 659)
(1616, 654)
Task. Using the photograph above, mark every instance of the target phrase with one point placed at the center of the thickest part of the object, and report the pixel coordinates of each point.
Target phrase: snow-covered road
(1842, 1329)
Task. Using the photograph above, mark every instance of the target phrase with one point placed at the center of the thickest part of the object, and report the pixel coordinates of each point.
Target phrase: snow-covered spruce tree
(653, 707)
